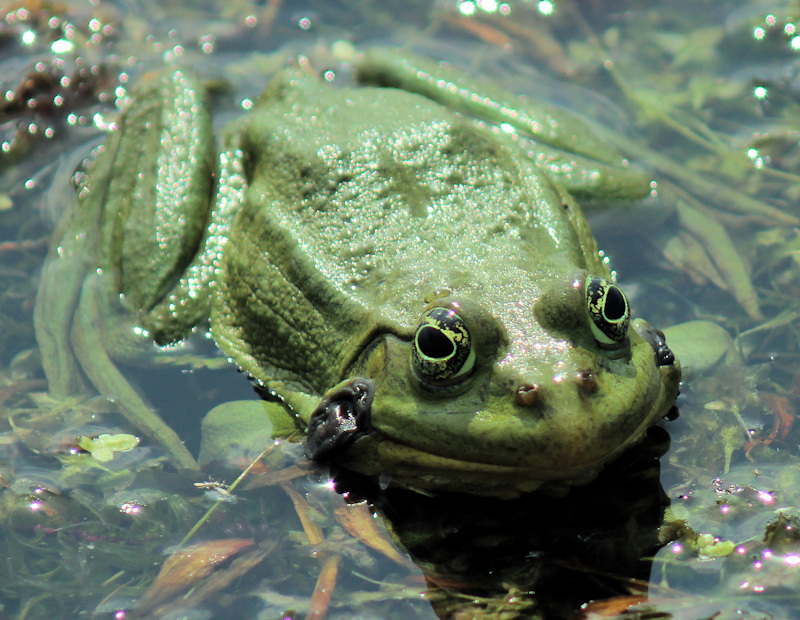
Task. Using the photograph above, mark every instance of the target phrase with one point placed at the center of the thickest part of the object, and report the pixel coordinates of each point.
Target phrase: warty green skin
(342, 215)
(119, 251)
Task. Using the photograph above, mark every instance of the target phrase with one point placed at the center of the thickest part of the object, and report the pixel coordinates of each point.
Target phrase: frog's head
(502, 399)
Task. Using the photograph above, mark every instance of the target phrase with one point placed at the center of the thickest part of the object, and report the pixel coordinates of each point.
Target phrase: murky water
(702, 95)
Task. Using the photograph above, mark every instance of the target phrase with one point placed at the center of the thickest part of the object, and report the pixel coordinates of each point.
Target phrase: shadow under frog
(537, 555)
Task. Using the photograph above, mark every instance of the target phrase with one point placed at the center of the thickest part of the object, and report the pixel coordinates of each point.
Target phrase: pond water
(699, 521)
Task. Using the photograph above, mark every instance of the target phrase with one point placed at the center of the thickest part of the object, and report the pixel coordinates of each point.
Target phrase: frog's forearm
(104, 375)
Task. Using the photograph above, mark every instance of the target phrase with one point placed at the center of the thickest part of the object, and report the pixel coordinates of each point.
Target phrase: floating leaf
(104, 446)
(710, 546)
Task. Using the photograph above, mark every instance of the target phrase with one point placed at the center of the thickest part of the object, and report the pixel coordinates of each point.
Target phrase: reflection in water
(535, 554)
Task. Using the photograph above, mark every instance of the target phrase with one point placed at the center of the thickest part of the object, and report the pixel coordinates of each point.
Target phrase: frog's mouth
(342, 416)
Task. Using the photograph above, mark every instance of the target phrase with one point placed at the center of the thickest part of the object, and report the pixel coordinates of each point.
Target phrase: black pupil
(614, 308)
(433, 343)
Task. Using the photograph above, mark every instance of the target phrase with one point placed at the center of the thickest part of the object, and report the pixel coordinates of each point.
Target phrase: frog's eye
(442, 346)
(608, 308)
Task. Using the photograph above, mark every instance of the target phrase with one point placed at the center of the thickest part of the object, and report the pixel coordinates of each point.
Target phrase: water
(703, 95)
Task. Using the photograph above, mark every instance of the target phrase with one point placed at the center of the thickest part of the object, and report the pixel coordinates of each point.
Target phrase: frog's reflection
(485, 557)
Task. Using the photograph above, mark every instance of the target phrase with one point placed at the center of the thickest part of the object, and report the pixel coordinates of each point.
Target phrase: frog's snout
(531, 394)
(657, 340)
(341, 417)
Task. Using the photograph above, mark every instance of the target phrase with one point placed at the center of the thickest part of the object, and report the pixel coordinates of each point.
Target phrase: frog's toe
(657, 340)
(341, 417)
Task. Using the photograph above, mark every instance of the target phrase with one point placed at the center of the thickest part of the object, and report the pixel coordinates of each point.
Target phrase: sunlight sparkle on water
(61, 46)
(130, 508)
(28, 37)
(545, 7)
(760, 92)
(466, 8)
(792, 559)
(753, 154)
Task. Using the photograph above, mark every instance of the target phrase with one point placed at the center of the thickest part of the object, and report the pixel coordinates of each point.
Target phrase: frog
(399, 264)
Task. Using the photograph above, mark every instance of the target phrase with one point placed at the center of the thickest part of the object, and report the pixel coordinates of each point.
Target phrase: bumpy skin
(365, 208)
(342, 216)
(138, 220)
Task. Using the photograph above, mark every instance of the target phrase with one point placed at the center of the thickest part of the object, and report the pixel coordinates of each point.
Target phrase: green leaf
(104, 446)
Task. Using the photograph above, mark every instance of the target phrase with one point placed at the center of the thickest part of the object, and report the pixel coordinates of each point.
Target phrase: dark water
(702, 95)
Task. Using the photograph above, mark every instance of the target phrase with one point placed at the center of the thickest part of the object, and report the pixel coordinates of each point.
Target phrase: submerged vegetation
(702, 95)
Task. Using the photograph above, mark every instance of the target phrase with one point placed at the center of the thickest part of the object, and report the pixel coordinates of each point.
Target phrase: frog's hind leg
(558, 141)
(58, 294)
(87, 341)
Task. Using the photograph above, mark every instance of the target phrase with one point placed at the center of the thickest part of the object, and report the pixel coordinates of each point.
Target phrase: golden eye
(442, 346)
(609, 311)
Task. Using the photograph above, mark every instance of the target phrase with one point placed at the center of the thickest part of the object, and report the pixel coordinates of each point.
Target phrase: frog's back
(363, 201)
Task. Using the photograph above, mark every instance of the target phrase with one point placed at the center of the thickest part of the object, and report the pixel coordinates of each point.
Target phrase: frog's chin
(341, 417)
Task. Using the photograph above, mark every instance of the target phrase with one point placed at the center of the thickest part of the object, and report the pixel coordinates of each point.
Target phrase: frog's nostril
(528, 395)
(587, 382)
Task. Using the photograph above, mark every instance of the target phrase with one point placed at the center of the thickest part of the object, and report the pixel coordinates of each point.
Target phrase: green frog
(400, 263)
